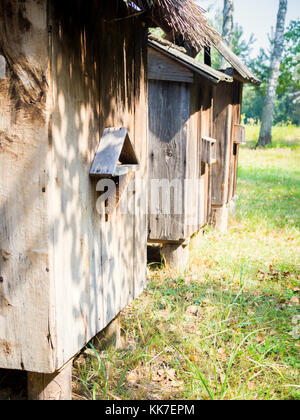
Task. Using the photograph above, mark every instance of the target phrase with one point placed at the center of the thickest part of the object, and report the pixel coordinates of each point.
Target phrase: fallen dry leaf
(260, 338)
(295, 300)
(222, 355)
(251, 386)
(193, 310)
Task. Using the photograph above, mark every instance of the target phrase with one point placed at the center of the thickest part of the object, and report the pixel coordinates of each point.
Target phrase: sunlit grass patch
(283, 136)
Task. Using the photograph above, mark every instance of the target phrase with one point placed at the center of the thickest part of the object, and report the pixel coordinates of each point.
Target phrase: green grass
(230, 328)
(286, 135)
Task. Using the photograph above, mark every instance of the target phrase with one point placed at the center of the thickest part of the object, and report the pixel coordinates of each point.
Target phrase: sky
(257, 16)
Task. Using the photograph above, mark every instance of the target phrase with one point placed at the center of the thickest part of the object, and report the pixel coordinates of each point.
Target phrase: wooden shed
(73, 115)
(230, 134)
(182, 147)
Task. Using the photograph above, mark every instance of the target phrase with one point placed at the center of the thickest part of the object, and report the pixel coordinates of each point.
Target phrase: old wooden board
(206, 131)
(192, 173)
(27, 333)
(222, 132)
(169, 110)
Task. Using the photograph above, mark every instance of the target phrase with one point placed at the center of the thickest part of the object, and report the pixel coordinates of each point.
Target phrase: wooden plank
(206, 131)
(169, 110)
(27, 332)
(97, 258)
(222, 131)
(140, 222)
(164, 68)
(192, 190)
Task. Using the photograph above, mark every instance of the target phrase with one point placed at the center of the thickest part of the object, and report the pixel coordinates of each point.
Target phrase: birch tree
(265, 136)
(227, 27)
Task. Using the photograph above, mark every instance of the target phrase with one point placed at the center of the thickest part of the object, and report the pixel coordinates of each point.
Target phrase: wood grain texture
(27, 325)
(180, 115)
(100, 260)
(169, 113)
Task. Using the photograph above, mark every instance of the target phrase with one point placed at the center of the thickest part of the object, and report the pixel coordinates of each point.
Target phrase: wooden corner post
(53, 387)
(176, 256)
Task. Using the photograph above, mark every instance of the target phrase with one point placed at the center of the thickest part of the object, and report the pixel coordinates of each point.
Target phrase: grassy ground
(229, 328)
(286, 135)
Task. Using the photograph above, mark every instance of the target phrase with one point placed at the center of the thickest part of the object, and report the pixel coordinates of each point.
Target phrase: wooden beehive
(65, 270)
(181, 147)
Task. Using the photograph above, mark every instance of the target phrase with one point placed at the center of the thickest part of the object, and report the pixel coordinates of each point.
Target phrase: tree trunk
(227, 27)
(265, 136)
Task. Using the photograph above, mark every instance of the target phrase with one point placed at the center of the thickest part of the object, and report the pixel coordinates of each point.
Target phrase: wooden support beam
(110, 336)
(53, 387)
(232, 206)
(220, 218)
(176, 256)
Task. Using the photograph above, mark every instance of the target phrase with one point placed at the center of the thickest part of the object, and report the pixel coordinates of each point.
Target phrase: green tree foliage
(240, 46)
(287, 105)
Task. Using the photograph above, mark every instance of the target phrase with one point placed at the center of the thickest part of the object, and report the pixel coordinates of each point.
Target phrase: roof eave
(209, 73)
(239, 70)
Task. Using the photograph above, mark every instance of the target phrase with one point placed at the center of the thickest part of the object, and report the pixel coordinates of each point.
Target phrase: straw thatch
(184, 18)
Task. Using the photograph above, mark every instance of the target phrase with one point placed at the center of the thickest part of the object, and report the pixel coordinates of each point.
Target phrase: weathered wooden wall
(227, 112)
(65, 270)
(99, 81)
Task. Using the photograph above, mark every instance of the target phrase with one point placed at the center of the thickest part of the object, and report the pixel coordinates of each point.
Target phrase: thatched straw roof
(185, 20)
(182, 17)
